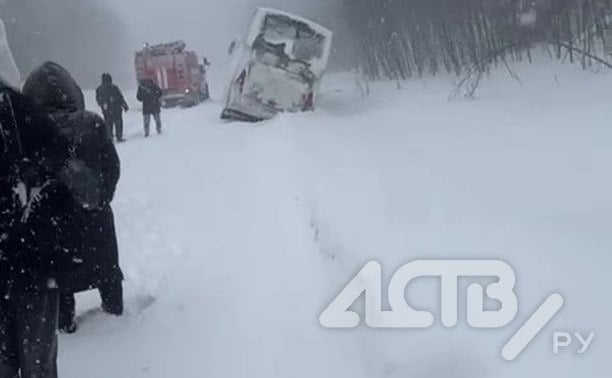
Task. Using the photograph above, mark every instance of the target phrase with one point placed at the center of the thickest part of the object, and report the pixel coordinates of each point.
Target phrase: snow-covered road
(234, 237)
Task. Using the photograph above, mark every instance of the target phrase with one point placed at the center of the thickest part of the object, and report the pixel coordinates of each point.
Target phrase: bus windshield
(296, 39)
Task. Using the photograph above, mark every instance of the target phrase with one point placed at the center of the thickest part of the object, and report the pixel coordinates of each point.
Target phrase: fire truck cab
(177, 71)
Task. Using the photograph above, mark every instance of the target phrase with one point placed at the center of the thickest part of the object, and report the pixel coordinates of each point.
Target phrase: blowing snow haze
(207, 26)
(90, 37)
(214, 218)
(385, 39)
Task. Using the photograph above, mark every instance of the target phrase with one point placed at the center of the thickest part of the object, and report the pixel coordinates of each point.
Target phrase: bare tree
(403, 38)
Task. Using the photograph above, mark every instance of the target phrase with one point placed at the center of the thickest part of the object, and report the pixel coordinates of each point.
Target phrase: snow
(234, 237)
(8, 69)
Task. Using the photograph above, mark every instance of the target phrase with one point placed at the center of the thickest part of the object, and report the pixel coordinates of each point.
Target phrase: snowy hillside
(234, 237)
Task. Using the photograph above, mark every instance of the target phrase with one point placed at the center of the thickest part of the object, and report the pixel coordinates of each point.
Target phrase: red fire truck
(177, 71)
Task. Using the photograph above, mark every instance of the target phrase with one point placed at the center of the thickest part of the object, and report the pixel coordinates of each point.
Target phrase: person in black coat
(32, 155)
(40, 179)
(150, 95)
(111, 101)
(90, 228)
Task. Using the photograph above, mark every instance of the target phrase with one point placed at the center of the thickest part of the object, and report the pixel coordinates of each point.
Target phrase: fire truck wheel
(205, 93)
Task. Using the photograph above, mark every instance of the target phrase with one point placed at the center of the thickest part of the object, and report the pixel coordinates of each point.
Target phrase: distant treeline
(404, 38)
(83, 35)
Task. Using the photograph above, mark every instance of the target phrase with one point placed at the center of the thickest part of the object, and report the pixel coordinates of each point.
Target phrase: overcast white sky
(208, 26)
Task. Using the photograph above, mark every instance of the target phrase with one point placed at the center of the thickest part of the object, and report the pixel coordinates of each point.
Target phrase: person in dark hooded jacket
(39, 179)
(111, 101)
(32, 155)
(150, 95)
(89, 222)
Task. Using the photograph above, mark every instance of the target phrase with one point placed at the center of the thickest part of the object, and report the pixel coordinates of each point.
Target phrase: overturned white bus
(280, 67)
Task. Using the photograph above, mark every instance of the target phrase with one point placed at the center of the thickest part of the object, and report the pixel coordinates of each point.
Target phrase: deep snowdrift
(234, 237)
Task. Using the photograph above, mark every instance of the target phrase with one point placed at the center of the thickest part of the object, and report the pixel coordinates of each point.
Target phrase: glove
(82, 183)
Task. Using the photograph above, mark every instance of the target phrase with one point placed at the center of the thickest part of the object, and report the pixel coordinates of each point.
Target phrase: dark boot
(146, 118)
(111, 293)
(67, 313)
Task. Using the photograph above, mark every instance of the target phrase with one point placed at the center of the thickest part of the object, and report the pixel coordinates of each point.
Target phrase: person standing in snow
(111, 101)
(150, 95)
(40, 177)
(34, 160)
(90, 228)
(32, 154)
